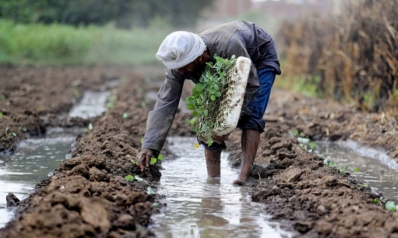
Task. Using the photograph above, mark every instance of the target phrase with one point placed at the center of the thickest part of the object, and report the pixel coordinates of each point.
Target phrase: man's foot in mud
(238, 183)
(242, 180)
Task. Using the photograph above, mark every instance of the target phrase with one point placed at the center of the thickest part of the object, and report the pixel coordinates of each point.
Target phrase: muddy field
(88, 196)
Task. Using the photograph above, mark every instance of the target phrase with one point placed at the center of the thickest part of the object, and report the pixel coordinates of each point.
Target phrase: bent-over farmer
(185, 55)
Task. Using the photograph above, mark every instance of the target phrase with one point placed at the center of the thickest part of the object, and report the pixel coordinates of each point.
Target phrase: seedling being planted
(155, 160)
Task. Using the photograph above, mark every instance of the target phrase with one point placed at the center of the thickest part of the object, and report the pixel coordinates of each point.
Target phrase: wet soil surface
(88, 196)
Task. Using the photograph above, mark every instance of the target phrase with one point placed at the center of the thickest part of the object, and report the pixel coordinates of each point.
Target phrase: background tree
(125, 13)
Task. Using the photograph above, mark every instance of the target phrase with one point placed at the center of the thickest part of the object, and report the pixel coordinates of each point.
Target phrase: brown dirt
(88, 196)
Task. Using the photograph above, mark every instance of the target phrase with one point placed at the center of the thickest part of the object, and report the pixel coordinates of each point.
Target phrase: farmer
(185, 55)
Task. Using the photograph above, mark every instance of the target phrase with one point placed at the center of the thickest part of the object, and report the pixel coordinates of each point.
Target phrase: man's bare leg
(249, 141)
(213, 162)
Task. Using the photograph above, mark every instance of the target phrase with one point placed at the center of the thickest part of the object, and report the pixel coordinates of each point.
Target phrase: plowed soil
(88, 196)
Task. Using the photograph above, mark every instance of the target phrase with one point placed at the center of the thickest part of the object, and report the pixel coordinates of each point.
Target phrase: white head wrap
(180, 48)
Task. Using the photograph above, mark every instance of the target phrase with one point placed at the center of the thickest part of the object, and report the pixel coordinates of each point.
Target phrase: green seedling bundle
(206, 97)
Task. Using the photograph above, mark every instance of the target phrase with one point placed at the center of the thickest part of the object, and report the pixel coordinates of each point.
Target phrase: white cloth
(180, 48)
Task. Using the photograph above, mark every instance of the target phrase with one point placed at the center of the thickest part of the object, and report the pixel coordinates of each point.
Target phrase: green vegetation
(377, 201)
(125, 13)
(304, 141)
(390, 205)
(206, 96)
(343, 169)
(154, 160)
(60, 44)
(306, 86)
(137, 178)
(125, 115)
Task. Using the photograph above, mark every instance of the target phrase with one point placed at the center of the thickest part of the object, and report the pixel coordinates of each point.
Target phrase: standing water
(92, 104)
(37, 158)
(368, 165)
(198, 206)
(34, 161)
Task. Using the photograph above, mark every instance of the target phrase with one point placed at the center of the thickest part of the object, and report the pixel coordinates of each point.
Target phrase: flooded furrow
(368, 165)
(34, 161)
(92, 104)
(36, 158)
(198, 206)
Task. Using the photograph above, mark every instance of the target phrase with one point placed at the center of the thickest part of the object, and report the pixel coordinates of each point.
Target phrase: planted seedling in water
(362, 186)
(341, 168)
(206, 97)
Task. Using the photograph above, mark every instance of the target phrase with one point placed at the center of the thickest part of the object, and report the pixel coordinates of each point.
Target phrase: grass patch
(60, 44)
(297, 84)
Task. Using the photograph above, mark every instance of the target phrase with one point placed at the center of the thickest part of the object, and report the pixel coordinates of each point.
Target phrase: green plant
(1, 115)
(362, 186)
(129, 177)
(390, 205)
(76, 93)
(154, 160)
(377, 201)
(341, 168)
(206, 96)
(137, 178)
(304, 141)
(56, 44)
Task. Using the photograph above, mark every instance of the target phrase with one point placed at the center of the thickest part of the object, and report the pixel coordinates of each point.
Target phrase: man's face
(195, 66)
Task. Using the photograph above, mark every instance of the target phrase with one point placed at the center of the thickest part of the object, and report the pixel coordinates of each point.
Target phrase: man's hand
(220, 139)
(143, 158)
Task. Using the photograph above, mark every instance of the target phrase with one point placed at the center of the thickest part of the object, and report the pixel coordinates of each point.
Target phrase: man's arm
(162, 116)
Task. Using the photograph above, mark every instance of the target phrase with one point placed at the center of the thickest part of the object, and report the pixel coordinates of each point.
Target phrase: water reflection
(92, 104)
(375, 169)
(34, 161)
(202, 207)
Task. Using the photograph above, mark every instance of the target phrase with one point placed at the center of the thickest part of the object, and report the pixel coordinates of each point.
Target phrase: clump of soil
(319, 201)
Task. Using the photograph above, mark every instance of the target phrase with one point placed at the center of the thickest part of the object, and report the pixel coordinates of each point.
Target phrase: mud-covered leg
(213, 162)
(250, 141)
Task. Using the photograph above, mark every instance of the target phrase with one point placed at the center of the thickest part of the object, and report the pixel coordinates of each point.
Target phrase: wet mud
(88, 195)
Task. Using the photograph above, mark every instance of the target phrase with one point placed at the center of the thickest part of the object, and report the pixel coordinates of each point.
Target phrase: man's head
(183, 51)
